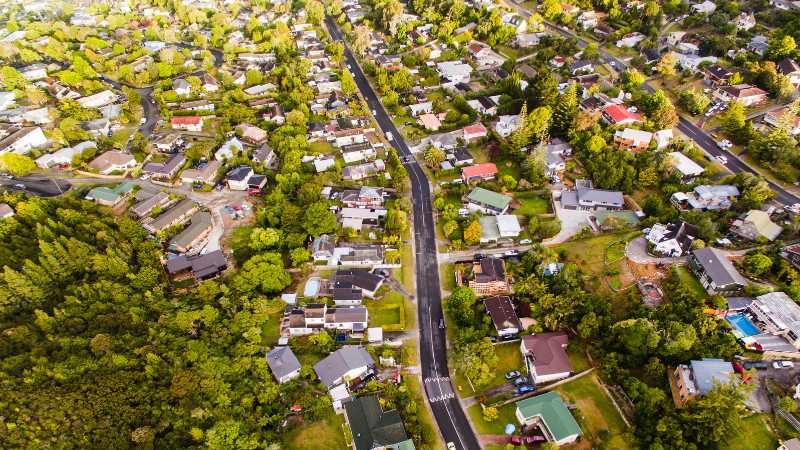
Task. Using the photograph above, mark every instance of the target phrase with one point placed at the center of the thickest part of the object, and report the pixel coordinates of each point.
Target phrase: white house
(181, 87)
(546, 356)
(455, 71)
(64, 156)
(97, 100)
(7, 100)
(420, 108)
(229, 149)
(507, 125)
(685, 165)
(707, 7)
(23, 140)
(630, 40)
(34, 72)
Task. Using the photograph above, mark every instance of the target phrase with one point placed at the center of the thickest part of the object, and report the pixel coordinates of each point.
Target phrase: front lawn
(387, 312)
(321, 147)
(531, 204)
(508, 358)
(309, 435)
(689, 280)
(754, 434)
(507, 415)
(271, 328)
(599, 420)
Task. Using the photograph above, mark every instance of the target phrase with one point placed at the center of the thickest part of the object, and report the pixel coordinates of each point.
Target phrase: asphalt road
(38, 186)
(447, 411)
(703, 140)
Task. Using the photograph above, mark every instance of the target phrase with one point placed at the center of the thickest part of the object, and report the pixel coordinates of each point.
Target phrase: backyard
(387, 312)
(308, 435)
(509, 358)
(688, 279)
(754, 434)
(531, 204)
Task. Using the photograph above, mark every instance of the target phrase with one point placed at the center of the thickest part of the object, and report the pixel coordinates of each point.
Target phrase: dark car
(479, 256)
(520, 381)
(758, 365)
(524, 389)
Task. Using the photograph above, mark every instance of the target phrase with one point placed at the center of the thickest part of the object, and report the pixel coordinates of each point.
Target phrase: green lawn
(321, 147)
(309, 435)
(531, 204)
(689, 280)
(447, 276)
(597, 416)
(754, 434)
(423, 413)
(615, 252)
(577, 358)
(588, 253)
(387, 312)
(497, 426)
(271, 328)
(509, 358)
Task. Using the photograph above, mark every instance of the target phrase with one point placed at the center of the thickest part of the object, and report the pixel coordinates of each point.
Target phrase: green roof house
(550, 414)
(487, 202)
(106, 196)
(373, 428)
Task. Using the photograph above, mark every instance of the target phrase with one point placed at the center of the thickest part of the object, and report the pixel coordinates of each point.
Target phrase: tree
(396, 221)
(788, 404)
(550, 9)
(781, 47)
(433, 157)
(362, 39)
(661, 110)
(476, 360)
(315, 12)
(348, 83)
(472, 234)
(666, 65)
(19, 165)
(757, 264)
(461, 305)
(322, 342)
(716, 416)
(264, 272)
(319, 219)
(733, 120)
(264, 238)
(632, 79)
(566, 109)
(693, 100)
(490, 414)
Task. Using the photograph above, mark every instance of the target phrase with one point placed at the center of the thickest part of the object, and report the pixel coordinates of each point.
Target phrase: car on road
(143, 120)
(724, 144)
(374, 113)
(782, 364)
(511, 253)
(511, 375)
(524, 389)
(526, 241)
(144, 177)
(441, 323)
(451, 446)
(19, 186)
(794, 208)
(349, 68)
(389, 136)
(722, 159)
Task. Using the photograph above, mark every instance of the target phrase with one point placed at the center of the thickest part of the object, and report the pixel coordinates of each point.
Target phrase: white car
(348, 67)
(374, 113)
(526, 241)
(722, 159)
(451, 446)
(783, 364)
(511, 253)
(389, 135)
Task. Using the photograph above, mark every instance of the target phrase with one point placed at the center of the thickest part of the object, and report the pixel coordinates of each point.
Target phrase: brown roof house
(112, 161)
(504, 318)
(488, 277)
(546, 356)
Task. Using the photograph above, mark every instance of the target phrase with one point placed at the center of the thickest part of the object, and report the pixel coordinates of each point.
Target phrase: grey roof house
(284, 365)
(194, 235)
(715, 272)
(343, 365)
(584, 196)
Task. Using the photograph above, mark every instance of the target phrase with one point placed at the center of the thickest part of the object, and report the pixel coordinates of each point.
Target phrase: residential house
(418, 109)
(39, 116)
(373, 428)
(284, 364)
(581, 66)
(502, 226)
(756, 225)
(187, 123)
(791, 69)
(783, 118)
(745, 94)
(706, 197)
(344, 365)
(687, 48)
(361, 171)
(460, 157)
(673, 239)
(504, 317)
(472, 133)
(322, 247)
(745, 21)
(363, 281)
(34, 72)
(205, 173)
(181, 87)
(236, 179)
(685, 165)
(357, 255)
(323, 163)
(197, 267)
(229, 149)
(146, 206)
(63, 157)
(6, 211)
(479, 172)
(507, 124)
(259, 89)
(549, 413)
(633, 139)
(112, 161)
(364, 197)
(265, 156)
(108, 196)
(650, 55)
(358, 218)
(716, 272)
(358, 152)
(555, 152)
(169, 143)
(197, 105)
(431, 121)
(23, 140)
(210, 84)
(165, 171)
(759, 45)
(98, 100)
(455, 71)
(585, 197)
(545, 356)
(97, 128)
(588, 20)
(707, 7)
(776, 315)
(177, 215)
(487, 277)
(487, 202)
(698, 378)
(515, 21)
(194, 236)
(630, 40)
(7, 100)
(616, 114)
(252, 135)
(527, 40)
(483, 105)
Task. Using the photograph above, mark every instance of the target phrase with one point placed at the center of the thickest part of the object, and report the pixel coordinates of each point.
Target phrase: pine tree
(566, 109)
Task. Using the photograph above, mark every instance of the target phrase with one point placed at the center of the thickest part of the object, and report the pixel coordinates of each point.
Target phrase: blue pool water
(743, 324)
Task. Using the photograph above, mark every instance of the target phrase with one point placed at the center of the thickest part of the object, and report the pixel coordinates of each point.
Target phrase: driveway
(636, 251)
(572, 222)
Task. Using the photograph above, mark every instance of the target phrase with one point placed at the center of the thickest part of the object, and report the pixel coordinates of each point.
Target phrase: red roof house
(485, 171)
(190, 123)
(619, 115)
(474, 132)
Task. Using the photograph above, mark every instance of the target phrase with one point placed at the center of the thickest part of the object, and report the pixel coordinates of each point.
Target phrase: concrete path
(572, 222)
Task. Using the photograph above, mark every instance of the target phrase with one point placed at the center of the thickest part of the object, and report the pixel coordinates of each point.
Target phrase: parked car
(722, 159)
(478, 256)
(511, 253)
(524, 389)
(783, 364)
(513, 374)
(520, 381)
(526, 241)
(441, 323)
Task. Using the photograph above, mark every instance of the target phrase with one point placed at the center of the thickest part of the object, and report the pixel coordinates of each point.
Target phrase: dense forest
(97, 352)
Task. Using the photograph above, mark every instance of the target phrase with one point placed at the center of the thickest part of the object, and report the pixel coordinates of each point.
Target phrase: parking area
(572, 222)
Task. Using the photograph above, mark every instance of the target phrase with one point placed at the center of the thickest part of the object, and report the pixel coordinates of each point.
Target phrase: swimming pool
(741, 323)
